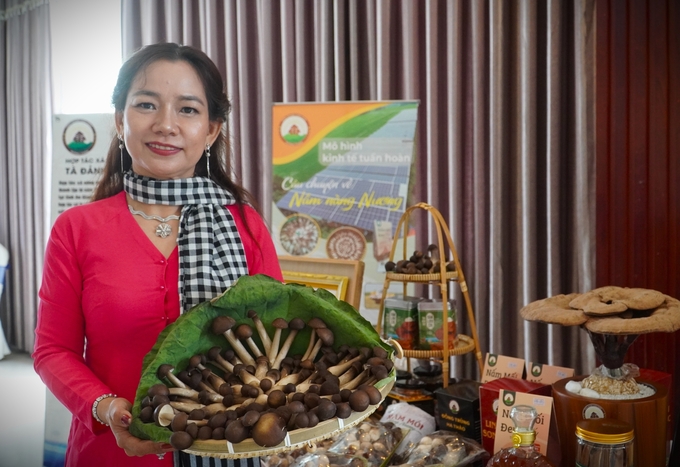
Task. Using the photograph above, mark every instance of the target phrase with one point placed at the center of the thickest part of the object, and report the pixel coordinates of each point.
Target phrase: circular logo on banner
(294, 129)
(79, 137)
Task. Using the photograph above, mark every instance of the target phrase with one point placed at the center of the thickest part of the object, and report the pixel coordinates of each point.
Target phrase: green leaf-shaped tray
(191, 335)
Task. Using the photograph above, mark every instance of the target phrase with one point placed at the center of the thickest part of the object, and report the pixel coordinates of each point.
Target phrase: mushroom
(295, 325)
(262, 367)
(165, 371)
(164, 414)
(279, 324)
(245, 333)
(214, 354)
(247, 378)
(235, 431)
(264, 337)
(222, 325)
(314, 323)
(326, 339)
(359, 400)
(270, 430)
(181, 440)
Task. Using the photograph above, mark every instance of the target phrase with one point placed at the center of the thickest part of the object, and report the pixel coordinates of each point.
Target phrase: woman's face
(165, 122)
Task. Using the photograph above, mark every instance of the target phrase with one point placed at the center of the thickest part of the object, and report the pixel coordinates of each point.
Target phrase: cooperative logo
(79, 137)
(294, 129)
(509, 398)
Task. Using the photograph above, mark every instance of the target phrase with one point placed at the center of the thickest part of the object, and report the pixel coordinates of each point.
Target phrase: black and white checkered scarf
(211, 255)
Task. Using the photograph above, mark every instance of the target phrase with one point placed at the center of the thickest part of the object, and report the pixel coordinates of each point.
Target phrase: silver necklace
(163, 229)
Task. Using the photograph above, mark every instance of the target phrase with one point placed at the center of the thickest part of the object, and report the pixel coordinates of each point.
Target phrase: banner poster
(79, 147)
(342, 179)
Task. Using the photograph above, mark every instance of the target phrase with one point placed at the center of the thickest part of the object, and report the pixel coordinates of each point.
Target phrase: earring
(121, 146)
(207, 158)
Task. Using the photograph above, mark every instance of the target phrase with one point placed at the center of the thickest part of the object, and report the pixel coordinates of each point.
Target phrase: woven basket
(223, 449)
(434, 277)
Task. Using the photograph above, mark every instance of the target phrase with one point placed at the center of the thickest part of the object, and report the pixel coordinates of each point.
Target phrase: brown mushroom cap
(296, 324)
(181, 440)
(665, 318)
(316, 323)
(612, 300)
(280, 323)
(222, 324)
(559, 310)
(243, 331)
(270, 430)
(326, 336)
(554, 310)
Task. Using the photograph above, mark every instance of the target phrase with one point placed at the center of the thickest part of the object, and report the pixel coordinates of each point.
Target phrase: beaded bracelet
(96, 403)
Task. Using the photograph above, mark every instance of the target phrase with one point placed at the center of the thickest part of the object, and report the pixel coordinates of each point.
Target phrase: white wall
(86, 54)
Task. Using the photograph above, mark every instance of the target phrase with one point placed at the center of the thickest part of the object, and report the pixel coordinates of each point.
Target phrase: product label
(547, 374)
(431, 328)
(504, 425)
(401, 324)
(500, 366)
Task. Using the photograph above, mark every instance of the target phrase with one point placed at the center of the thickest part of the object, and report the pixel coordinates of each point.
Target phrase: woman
(167, 230)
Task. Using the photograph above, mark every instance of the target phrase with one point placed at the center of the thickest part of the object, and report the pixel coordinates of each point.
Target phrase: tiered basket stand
(463, 344)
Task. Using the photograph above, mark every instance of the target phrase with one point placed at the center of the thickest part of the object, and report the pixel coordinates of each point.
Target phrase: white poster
(79, 143)
(79, 146)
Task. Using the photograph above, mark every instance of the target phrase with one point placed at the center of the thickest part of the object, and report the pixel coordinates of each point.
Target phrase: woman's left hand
(117, 415)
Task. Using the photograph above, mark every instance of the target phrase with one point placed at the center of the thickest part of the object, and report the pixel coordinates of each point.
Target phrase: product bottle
(604, 442)
(523, 453)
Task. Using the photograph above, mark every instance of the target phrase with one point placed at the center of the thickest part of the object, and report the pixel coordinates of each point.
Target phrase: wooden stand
(463, 344)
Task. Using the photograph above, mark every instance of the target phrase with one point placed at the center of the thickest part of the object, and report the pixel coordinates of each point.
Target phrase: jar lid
(604, 431)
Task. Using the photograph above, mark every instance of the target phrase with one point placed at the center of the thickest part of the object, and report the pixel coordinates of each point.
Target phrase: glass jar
(604, 442)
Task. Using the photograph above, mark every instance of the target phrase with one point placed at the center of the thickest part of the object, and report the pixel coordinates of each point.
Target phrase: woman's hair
(111, 181)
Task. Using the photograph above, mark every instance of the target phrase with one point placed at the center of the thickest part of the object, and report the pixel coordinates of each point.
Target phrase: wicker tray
(393, 276)
(463, 345)
(223, 449)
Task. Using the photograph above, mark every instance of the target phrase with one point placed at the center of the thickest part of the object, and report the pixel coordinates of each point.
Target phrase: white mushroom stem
(347, 375)
(340, 368)
(294, 378)
(261, 399)
(246, 377)
(165, 371)
(216, 357)
(264, 337)
(284, 349)
(356, 381)
(186, 406)
(238, 348)
(184, 392)
(222, 325)
(262, 367)
(294, 326)
(274, 348)
(325, 338)
(310, 347)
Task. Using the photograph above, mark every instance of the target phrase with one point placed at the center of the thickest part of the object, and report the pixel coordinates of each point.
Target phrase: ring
(160, 456)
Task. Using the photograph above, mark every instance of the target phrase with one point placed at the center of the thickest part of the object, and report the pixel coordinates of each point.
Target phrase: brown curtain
(505, 138)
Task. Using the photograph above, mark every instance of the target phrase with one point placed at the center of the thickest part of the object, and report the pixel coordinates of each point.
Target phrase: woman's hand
(116, 412)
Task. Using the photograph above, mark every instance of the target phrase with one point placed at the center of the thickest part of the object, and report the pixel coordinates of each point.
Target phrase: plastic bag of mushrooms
(263, 368)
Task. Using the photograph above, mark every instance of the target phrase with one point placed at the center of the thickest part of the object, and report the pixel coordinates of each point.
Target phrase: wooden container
(647, 416)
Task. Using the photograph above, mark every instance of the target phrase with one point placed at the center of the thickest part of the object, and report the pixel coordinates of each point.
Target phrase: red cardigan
(106, 285)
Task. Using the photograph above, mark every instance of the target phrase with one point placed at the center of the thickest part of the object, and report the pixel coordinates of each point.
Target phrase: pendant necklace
(163, 229)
